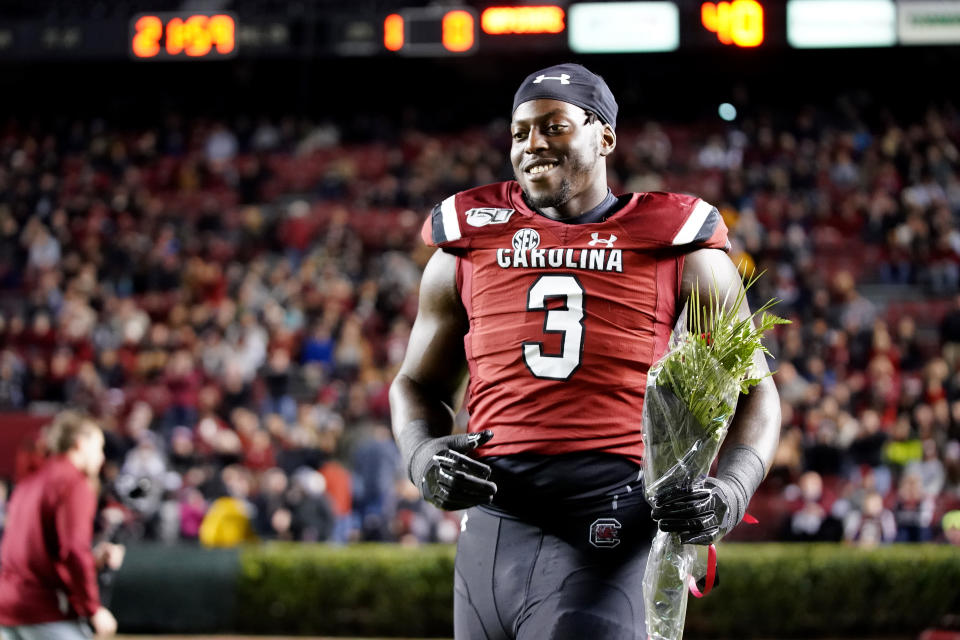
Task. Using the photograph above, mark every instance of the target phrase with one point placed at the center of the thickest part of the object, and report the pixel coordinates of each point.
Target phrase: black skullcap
(571, 83)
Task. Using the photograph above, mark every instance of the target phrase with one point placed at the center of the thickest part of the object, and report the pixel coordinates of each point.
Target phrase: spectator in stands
(788, 461)
(911, 354)
(866, 449)
(352, 352)
(258, 453)
(903, 447)
(273, 519)
(950, 334)
(412, 523)
(951, 527)
(870, 525)
(213, 437)
(808, 516)
(193, 508)
(277, 376)
(313, 516)
(43, 248)
(183, 382)
(339, 481)
(376, 463)
(824, 454)
(913, 510)
(418, 522)
(12, 374)
(951, 465)
(930, 470)
(86, 390)
(228, 522)
(319, 346)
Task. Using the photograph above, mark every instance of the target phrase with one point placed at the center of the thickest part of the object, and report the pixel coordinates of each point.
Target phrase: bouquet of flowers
(691, 397)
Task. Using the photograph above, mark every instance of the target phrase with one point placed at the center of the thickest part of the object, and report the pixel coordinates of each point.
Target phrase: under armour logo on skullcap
(572, 83)
(564, 78)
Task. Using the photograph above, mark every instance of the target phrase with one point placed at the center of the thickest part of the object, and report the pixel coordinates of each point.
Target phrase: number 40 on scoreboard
(739, 22)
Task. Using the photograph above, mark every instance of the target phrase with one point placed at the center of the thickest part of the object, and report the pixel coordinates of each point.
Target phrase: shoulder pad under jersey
(466, 215)
(677, 220)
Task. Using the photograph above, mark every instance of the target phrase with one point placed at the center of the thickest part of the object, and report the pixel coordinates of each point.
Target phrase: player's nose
(535, 142)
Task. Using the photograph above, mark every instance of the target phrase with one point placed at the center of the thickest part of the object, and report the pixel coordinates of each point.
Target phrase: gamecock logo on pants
(605, 532)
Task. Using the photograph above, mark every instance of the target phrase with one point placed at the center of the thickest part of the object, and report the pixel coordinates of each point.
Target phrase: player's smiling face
(557, 156)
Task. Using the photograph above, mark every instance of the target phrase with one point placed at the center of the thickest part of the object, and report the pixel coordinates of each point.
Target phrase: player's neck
(579, 204)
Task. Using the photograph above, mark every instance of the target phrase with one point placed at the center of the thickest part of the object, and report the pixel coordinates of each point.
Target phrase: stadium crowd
(232, 299)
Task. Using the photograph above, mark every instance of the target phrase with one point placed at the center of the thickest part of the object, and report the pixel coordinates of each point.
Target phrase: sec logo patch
(526, 239)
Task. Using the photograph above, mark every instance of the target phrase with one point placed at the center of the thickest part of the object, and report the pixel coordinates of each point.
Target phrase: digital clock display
(431, 31)
(172, 36)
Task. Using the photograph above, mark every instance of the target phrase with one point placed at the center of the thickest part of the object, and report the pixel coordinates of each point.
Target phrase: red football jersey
(566, 320)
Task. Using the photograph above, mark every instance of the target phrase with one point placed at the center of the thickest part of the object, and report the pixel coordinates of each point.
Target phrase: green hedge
(766, 591)
(805, 591)
(379, 590)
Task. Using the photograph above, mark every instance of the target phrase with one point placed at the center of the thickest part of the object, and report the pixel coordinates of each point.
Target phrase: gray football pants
(514, 581)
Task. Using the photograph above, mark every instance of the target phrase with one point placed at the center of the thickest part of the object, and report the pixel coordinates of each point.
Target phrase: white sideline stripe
(451, 226)
(690, 228)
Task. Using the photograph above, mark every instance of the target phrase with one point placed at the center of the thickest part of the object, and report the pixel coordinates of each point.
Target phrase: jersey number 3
(566, 319)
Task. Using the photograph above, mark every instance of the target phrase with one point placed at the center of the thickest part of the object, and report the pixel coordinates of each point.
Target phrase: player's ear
(608, 140)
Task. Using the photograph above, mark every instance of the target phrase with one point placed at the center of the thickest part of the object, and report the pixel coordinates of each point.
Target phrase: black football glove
(713, 506)
(447, 477)
(701, 515)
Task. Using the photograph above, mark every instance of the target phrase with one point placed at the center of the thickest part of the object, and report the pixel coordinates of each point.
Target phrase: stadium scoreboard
(659, 26)
(191, 35)
(583, 27)
(459, 29)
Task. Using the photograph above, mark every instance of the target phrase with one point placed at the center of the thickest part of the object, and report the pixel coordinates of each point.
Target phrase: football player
(555, 297)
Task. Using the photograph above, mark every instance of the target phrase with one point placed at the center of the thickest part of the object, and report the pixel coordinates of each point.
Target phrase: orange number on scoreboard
(222, 32)
(196, 38)
(146, 40)
(393, 32)
(739, 22)
(175, 36)
(457, 31)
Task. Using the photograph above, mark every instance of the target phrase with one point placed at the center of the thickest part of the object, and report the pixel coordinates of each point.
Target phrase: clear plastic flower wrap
(678, 451)
(691, 397)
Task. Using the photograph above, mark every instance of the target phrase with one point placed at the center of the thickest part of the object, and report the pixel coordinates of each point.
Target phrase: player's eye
(519, 135)
(556, 128)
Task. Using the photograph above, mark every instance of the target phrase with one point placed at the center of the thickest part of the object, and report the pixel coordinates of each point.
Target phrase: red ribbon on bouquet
(711, 576)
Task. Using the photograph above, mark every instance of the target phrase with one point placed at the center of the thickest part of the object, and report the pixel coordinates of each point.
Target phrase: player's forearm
(756, 423)
(746, 455)
(412, 404)
(438, 463)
